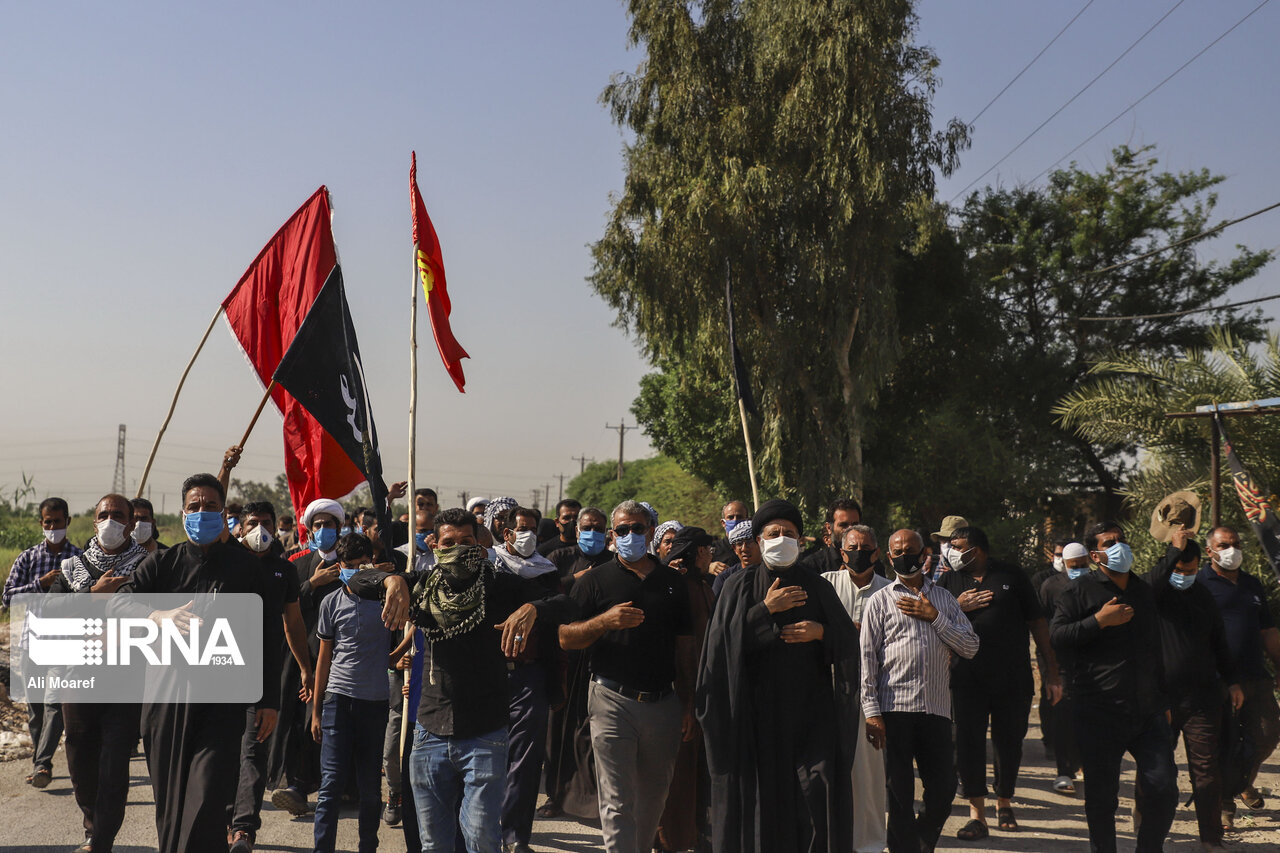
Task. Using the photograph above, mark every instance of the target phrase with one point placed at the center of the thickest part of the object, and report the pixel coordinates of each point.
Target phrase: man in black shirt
(825, 556)
(460, 743)
(1197, 663)
(1061, 728)
(193, 750)
(638, 626)
(995, 686)
(567, 526)
(1106, 628)
(258, 535)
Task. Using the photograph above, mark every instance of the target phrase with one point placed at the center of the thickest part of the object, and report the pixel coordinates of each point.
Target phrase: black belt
(631, 693)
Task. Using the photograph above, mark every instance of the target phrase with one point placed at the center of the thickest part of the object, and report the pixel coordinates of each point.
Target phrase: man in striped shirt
(909, 630)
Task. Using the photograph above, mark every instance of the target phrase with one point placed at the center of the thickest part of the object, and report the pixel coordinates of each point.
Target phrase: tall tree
(791, 142)
(1044, 258)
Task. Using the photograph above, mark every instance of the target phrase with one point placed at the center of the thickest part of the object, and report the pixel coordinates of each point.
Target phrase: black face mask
(858, 559)
(908, 564)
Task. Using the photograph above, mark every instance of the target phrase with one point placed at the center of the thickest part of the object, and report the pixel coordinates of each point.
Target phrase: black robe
(780, 720)
(193, 751)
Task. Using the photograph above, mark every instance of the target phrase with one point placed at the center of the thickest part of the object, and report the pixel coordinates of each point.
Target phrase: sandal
(41, 778)
(1005, 820)
(1251, 798)
(974, 830)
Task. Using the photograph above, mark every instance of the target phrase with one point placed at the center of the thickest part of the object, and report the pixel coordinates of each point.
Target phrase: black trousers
(526, 749)
(1007, 714)
(1261, 717)
(44, 723)
(1200, 722)
(193, 752)
(1048, 715)
(1065, 754)
(246, 812)
(1104, 734)
(917, 740)
(100, 739)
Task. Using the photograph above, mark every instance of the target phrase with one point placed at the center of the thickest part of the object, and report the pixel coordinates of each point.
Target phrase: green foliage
(1038, 255)
(248, 491)
(791, 143)
(658, 480)
(1125, 400)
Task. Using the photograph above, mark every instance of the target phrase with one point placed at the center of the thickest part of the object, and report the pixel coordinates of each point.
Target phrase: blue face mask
(1119, 558)
(591, 541)
(421, 540)
(203, 528)
(325, 538)
(346, 575)
(631, 547)
(344, 531)
(1180, 581)
(1077, 573)
(729, 524)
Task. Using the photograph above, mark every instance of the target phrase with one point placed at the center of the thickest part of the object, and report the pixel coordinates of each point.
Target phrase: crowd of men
(686, 691)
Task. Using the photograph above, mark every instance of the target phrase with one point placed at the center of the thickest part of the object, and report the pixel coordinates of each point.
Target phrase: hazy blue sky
(149, 150)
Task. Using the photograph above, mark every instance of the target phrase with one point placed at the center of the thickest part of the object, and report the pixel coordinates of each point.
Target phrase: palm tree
(1125, 400)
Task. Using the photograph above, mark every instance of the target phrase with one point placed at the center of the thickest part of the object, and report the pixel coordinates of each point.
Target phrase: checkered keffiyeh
(661, 530)
(496, 507)
(741, 532)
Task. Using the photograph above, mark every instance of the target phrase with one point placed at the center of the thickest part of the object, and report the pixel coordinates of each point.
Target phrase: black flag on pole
(1258, 504)
(741, 382)
(323, 372)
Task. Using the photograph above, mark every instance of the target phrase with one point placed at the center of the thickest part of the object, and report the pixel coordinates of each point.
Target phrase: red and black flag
(265, 311)
(322, 370)
(1259, 505)
(741, 382)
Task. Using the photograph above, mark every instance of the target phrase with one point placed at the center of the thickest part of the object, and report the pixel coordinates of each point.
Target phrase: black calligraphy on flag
(323, 372)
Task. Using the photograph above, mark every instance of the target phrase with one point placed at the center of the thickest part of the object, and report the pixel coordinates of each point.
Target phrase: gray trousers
(44, 722)
(635, 746)
(391, 743)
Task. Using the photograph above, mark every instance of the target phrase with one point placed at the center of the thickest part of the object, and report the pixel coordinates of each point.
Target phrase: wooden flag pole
(142, 483)
(751, 460)
(261, 405)
(405, 717)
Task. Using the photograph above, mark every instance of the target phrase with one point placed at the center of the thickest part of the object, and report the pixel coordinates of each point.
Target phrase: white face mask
(257, 539)
(142, 532)
(110, 533)
(1228, 559)
(1058, 564)
(53, 537)
(780, 552)
(525, 542)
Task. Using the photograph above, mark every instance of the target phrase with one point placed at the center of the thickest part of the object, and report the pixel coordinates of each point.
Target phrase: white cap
(1074, 550)
(475, 502)
(328, 505)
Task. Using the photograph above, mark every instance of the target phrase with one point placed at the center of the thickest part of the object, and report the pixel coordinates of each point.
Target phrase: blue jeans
(444, 770)
(351, 737)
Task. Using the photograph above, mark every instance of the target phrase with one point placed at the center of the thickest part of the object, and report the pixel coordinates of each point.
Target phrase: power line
(1180, 313)
(1215, 229)
(1070, 100)
(1149, 92)
(1033, 61)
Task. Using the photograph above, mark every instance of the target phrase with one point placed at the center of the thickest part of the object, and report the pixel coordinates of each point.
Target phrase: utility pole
(622, 432)
(117, 481)
(582, 460)
(561, 476)
(462, 498)
(537, 495)
(547, 502)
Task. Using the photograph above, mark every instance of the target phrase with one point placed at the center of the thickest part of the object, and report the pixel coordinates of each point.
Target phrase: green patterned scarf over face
(450, 600)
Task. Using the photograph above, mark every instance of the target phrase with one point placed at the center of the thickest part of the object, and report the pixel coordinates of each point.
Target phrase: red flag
(264, 310)
(426, 247)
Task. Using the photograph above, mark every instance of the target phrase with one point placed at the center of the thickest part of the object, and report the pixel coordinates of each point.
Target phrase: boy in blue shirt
(351, 720)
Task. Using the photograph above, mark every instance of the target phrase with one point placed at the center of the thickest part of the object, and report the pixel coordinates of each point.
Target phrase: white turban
(475, 502)
(323, 505)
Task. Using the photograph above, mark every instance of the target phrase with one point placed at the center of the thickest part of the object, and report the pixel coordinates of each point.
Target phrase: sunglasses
(624, 529)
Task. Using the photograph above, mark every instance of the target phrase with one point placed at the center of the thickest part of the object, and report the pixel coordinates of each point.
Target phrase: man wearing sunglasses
(638, 627)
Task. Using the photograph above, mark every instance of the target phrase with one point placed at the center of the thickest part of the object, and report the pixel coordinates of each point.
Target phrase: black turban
(772, 510)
